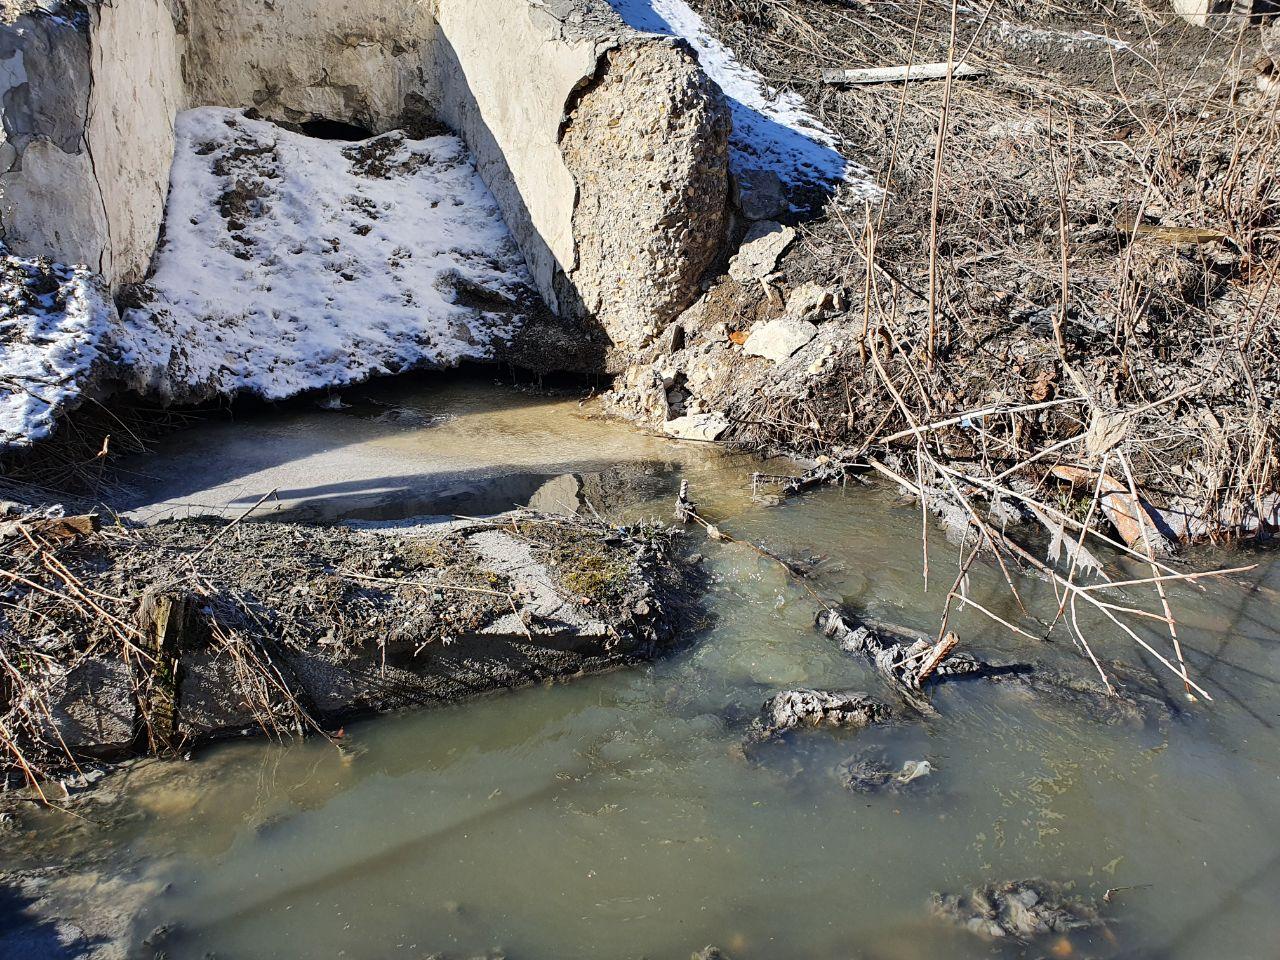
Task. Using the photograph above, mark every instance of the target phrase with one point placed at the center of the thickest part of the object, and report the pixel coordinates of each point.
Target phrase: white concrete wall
(88, 104)
(137, 92)
(292, 60)
(507, 71)
(49, 202)
(88, 98)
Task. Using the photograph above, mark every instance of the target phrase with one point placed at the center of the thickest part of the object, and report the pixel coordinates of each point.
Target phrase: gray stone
(697, 426)
(1202, 13)
(778, 339)
(816, 708)
(764, 243)
(811, 301)
(1020, 909)
(648, 150)
(759, 194)
(93, 710)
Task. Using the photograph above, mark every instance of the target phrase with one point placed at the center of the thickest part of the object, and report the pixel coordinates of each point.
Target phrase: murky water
(613, 818)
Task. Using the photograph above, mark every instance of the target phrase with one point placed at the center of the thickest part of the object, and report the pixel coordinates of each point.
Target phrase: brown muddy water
(613, 817)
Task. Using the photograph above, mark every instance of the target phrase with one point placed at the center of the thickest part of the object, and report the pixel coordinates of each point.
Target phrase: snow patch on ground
(290, 263)
(771, 130)
(55, 321)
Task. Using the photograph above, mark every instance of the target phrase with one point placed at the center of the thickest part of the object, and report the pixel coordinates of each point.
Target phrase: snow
(55, 321)
(287, 264)
(290, 263)
(771, 130)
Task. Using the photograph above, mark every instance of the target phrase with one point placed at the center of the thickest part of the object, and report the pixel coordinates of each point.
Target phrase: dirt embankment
(119, 641)
(1067, 284)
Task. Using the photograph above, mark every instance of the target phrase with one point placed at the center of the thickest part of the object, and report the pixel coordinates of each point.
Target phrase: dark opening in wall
(323, 128)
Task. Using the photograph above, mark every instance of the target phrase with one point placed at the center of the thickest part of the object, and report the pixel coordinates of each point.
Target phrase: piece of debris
(55, 528)
(1020, 909)
(1137, 525)
(778, 339)
(934, 657)
(816, 708)
(872, 773)
(1165, 233)
(765, 242)
(811, 301)
(685, 508)
(909, 661)
(697, 426)
(915, 71)
(899, 654)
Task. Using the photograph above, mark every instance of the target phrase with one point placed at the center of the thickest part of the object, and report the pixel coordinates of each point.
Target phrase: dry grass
(1089, 223)
(1063, 310)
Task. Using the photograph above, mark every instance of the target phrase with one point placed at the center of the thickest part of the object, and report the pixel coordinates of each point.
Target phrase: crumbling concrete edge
(665, 126)
(584, 186)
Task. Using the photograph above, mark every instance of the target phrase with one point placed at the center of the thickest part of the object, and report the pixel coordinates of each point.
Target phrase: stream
(615, 817)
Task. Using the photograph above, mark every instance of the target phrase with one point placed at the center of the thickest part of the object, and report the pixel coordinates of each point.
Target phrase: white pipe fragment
(915, 71)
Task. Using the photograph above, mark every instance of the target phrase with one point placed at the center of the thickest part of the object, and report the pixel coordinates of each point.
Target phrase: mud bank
(160, 639)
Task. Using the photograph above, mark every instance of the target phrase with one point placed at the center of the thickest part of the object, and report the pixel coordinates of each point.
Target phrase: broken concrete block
(759, 194)
(779, 339)
(764, 243)
(697, 426)
(216, 698)
(810, 301)
(647, 146)
(93, 710)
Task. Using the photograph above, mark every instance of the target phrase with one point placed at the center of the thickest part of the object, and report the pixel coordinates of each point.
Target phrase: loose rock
(872, 773)
(759, 194)
(697, 426)
(764, 243)
(778, 339)
(811, 301)
(816, 708)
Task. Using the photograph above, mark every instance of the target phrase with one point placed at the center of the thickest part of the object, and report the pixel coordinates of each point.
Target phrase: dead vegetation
(1087, 234)
(1061, 312)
